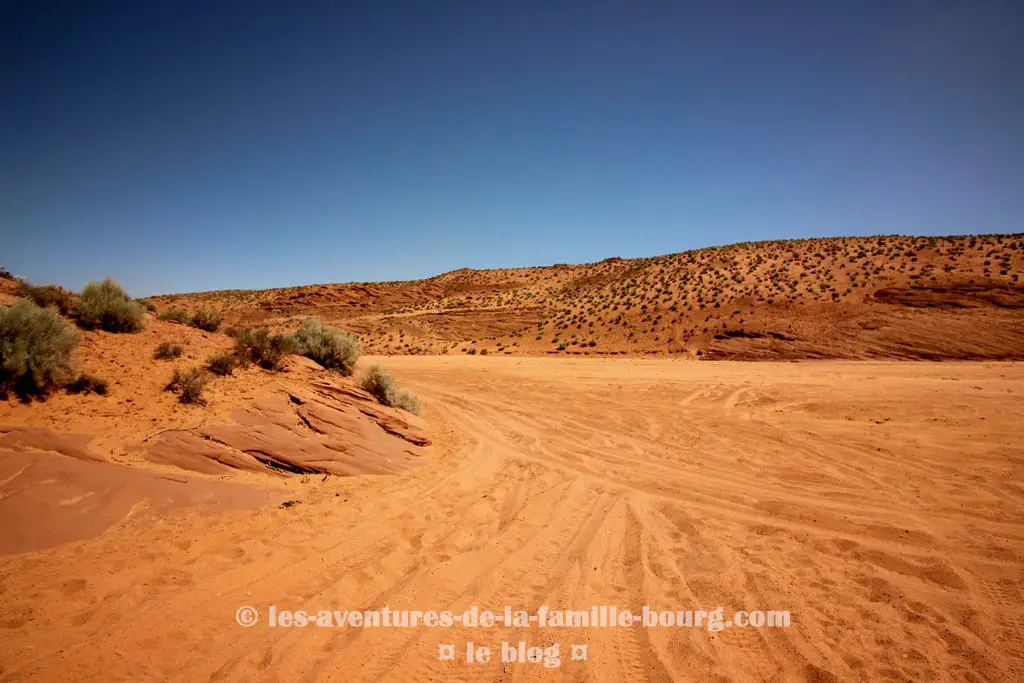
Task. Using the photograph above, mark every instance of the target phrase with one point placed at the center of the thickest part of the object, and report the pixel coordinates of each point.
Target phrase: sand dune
(879, 503)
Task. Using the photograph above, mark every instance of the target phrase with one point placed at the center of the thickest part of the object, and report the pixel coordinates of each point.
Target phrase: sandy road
(882, 505)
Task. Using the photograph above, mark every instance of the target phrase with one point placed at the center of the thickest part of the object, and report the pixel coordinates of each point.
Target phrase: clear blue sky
(185, 146)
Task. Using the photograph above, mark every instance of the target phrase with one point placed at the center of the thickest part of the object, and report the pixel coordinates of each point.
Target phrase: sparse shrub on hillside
(189, 385)
(35, 349)
(381, 385)
(330, 347)
(206, 319)
(106, 305)
(167, 350)
(150, 306)
(87, 384)
(4, 273)
(378, 383)
(222, 364)
(192, 384)
(50, 295)
(264, 349)
(175, 315)
(175, 382)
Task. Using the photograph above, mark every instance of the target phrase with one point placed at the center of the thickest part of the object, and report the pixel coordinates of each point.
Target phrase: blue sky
(190, 146)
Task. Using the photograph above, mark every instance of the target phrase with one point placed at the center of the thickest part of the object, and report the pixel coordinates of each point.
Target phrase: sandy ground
(881, 504)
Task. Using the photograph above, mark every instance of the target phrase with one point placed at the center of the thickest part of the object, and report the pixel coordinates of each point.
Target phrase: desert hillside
(120, 435)
(957, 297)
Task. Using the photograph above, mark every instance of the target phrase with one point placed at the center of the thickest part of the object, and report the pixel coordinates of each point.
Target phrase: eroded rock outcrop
(319, 426)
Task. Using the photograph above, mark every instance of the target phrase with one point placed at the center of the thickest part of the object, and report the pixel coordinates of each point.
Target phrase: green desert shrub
(35, 349)
(175, 382)
(86, 384)
(106, 305)
(167, 350)
(50, 295)
(330, 347)
(381, 386)
(206, 319)
(406, 401)
(222, 364)
(175, 315)
(265, 349)
(189, 385)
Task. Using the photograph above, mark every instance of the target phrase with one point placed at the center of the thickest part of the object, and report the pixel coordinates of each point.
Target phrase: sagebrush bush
(35, 349)
(265, 349)
(378, 383)
(206, 319)
(167, 350)
(175, 315)
(106, 305)
(87, 384)
(50, 295)
(222, 364)
(381, 386)
(406, 401)
(330, 347)
(175, 382)
(189, 384)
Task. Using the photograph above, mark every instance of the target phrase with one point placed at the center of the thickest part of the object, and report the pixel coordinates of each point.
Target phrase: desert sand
(880, 503)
